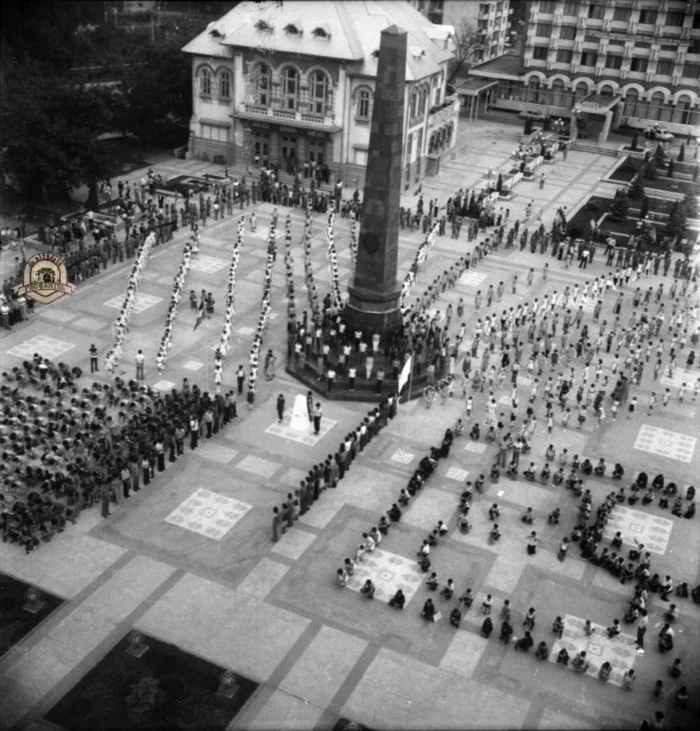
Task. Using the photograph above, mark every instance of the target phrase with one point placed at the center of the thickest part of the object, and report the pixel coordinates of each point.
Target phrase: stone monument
(374, 301)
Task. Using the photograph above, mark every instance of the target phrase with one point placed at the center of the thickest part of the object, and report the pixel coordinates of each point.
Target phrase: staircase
(593, 148)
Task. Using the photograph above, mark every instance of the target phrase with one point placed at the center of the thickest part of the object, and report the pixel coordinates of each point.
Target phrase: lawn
(16, 622)
(631, 166)
(165, 688)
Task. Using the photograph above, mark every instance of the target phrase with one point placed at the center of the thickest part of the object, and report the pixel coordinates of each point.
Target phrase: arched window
(681, 114)
(290, 87)
(423, 102)
(580, 91)
(558, 93)
(413, 105)
(656, 105)
(319, 92)
(631, 103)
(363, 104)
(224, 84)
(533, 90)
(606, 91)
(261, 84)
(205, 82)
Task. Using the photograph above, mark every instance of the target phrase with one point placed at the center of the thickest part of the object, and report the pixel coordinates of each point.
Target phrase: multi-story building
(635, 62)
(292, 83)
(488, 19)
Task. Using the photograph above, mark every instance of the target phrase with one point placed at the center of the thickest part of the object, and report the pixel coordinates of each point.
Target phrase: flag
(200, 315)
(405, 373)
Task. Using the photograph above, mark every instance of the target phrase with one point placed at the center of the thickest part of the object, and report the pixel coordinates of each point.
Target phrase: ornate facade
(294, 84)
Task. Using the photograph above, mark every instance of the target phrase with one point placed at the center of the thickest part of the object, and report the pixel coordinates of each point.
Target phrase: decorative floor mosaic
(258, 466)
(245, 330)
(620, 651)
(475, 447)
(472, 279)
(455, 473)
(679, 378)
(216, 453)
(193, 365)
(164, 386)
(45, 346)
(388, 573)
(666, 443)
(294, 435)
(143, 302)
(651, 530)
(208, 264)
(208, 513)
(402, 457)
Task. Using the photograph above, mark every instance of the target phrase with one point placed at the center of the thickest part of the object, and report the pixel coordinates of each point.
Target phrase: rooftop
(508, 66)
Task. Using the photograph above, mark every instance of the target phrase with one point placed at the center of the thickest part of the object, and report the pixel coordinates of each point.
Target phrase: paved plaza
(189, 559)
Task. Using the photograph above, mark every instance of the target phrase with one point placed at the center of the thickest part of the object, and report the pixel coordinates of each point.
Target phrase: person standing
(641, 630)
(140, 359)
(194, 431)
(310, 406)
(352, 374)
(93, 359)
(280, 407)
(240, 379)
(317, 416)
(276, 520)
(330, 377)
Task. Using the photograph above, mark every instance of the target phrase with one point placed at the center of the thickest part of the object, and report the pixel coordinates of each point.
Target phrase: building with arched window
(618, 62)
(294, 85)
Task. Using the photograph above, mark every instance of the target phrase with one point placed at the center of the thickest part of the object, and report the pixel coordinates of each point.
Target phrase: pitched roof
(349, 31)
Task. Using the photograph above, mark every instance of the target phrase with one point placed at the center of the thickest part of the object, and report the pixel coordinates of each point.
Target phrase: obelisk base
(373, 311)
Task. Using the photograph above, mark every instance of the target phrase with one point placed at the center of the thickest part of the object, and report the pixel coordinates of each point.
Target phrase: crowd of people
(66, 448)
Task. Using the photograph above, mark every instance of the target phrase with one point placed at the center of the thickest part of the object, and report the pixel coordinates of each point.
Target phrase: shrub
(635, 139)
(650, 171)
(690, 203)
(620, 206)
(669, 172)
(644, 207)
(659, 154)
(636, 189)
(681, 152)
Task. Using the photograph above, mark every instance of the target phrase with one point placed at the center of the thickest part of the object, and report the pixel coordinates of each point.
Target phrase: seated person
(506, 631)
(558, 476)
(616, 542)
(634, 497)
(553, 517)
(682, 590)
(428, 611)
(383, 525)
(564, 457)
(658, 482)
(558, 627)
(404, 497)
(542, 651)
(424, 564)
(545, 472)
(494, 512)
(614, 629)
(495, 533)
(628, 679)
(448, 590)
(349, 567)
(341, 578)
(487, 628)
(600, 467)
(605, 670)
(620, 495)
(618, 471)
(491, 434)
(467, 598)
(642, 480)
(563, 657)
(455, 617)
(530, 471)
(663, 502)
(580, 663)
(576, 534)
(479, 483)
(550, 454)
(666, 638)
(636, 553)
(427, 465)
(577, 489)
(690, 512)
(575, 463)
(512, 470)
(433, 538)
(459, 428)
(588, 628)
(586, 466)
(671, 614)
(631, 615)
(466, 496)
(677, 508)
(395, 513)
(398, 600)
(432, 581)
(627, 573)
(527, 516)
(368, 589)
(415, 483)
(375, 535)
(671, 489)
(654, 583)
(441, 528)
(690, 493)
(682, 697)
(495, 473)
(525, 642)
(648, 497)
(475, 432)
(463, 522)
(676, 668)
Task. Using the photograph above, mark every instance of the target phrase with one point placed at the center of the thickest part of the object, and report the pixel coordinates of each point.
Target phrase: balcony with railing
(292, 115)
(448, 111)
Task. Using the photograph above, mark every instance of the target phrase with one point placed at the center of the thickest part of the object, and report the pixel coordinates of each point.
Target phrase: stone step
(593, 148)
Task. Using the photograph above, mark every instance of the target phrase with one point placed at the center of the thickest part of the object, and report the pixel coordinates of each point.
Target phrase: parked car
(660, 134)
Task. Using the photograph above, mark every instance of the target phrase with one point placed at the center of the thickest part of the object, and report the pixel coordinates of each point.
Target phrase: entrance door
(317, 152)
(289, 148)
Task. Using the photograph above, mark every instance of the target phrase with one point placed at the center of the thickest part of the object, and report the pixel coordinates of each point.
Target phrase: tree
(499, 183)
(620, 205)
(690, 203)
(527, 129)
(659, 154)
(636, 189)
(467, 42)
(681, 152)
(675, 226)
(644, 209)
(49, 133)
(669, 172)
(649, 171)
(635, 139)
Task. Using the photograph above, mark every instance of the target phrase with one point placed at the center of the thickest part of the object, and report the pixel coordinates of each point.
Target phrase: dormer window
(320, 32)
(263, 26)
(293, 29)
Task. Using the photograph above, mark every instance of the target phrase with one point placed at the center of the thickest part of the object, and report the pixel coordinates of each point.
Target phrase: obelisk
(374, 302)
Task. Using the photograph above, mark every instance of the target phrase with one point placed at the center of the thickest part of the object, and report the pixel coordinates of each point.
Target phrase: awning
(598, 103)
(472, 87)
(280, 122)
(214, 122)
